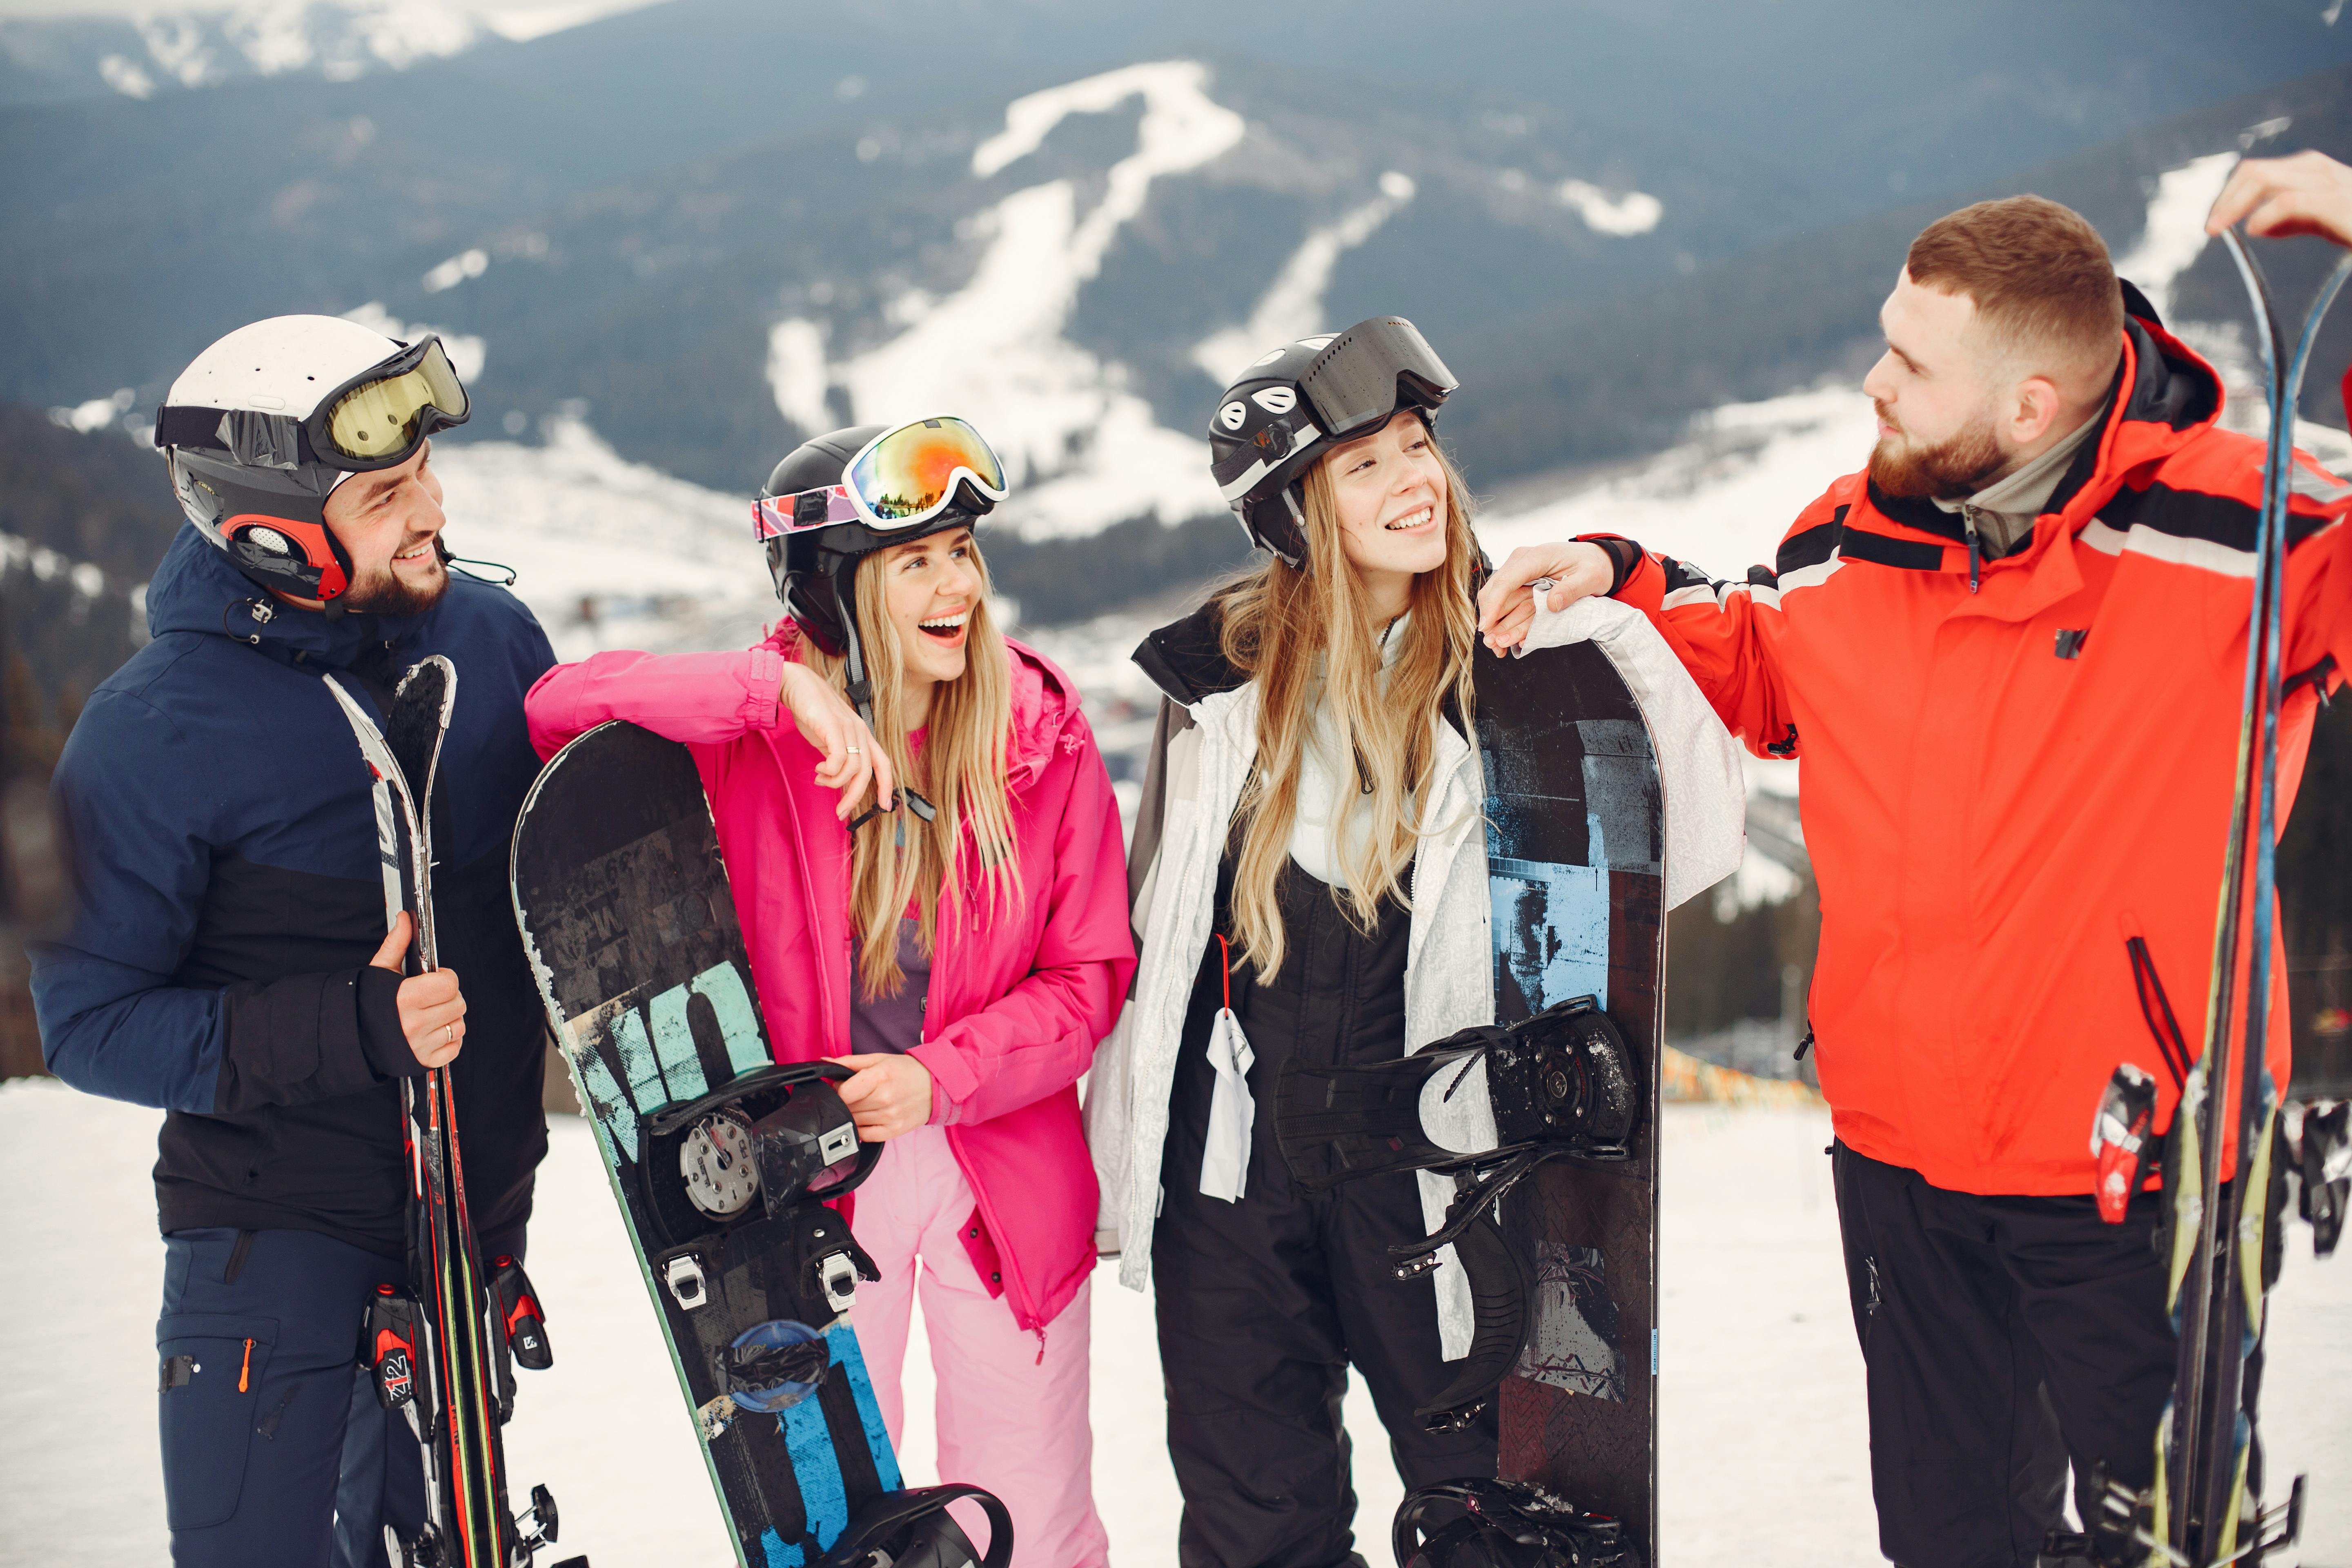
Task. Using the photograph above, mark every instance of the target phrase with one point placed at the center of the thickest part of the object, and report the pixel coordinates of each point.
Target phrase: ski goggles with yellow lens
(904, 477)
(381, 418)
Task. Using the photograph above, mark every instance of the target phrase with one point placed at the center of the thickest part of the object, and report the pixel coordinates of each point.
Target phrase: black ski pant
(2003, 1338)
(276, 1454)
(1263, 1304)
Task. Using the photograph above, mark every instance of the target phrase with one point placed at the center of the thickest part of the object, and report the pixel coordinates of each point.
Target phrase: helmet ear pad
(269, 523)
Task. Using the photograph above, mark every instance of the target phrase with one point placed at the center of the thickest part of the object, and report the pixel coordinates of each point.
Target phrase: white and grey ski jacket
(1202, 753)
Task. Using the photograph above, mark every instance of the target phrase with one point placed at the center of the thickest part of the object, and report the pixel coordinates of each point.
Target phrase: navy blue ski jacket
(228, 896)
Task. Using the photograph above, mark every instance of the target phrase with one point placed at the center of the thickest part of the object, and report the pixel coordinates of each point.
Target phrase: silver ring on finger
(448, 1034)
(855, 751)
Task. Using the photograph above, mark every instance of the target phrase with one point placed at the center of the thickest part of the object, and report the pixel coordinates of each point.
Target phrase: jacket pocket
(211, 1367)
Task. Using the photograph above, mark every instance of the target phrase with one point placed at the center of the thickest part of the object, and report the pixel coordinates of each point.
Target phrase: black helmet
(1300, 400)
(262, 426)
(818, 519)
(836, 499)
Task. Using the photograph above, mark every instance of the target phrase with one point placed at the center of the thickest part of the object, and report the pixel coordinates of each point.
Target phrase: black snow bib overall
(1263, 1304)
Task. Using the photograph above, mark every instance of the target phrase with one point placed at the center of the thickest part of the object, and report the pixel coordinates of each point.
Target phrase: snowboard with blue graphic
(1575, 843)
(719, 1157)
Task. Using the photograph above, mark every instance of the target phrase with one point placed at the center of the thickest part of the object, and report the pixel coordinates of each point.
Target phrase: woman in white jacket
(1308, 885)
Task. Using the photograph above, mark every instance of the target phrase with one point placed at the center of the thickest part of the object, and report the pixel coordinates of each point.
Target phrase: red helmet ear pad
(283, 545)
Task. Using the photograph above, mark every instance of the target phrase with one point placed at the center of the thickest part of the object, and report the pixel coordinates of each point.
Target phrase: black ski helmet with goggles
(836, 499)
(1299, 401)
(263, 426)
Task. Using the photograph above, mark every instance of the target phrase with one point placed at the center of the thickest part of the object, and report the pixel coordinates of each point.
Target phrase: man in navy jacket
(228, 959)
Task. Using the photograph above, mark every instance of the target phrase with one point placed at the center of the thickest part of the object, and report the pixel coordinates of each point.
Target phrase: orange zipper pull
(248, 1367)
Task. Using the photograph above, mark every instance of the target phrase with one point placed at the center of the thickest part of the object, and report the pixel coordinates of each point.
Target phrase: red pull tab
(1225, 969)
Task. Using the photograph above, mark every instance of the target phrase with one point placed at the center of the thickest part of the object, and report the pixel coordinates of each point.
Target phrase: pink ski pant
(1009, 1419)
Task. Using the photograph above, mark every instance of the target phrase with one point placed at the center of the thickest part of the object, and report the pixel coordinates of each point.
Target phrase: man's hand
(432, 1012)
(827, 722)
(2309, 192)
(888, 1095)
(1506, 606)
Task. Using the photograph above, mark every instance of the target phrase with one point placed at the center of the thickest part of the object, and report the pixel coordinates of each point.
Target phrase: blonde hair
(963, 771)
(1283, 628)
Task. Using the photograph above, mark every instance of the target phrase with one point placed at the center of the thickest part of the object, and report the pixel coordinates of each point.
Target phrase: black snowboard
(632, 931)
(1575, 844)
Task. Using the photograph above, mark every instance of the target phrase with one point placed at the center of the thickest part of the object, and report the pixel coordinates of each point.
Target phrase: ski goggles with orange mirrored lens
(902, 479)
(381, 418)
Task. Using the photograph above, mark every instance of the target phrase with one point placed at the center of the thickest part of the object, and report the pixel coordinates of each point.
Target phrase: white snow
(610, 553)
(1630, 212)
(456, 270)
(124, 77)
(1292, 306)
(1085, 449)
(1722, 498)
(796, 372)
(2174, 236)
(1764, 1449)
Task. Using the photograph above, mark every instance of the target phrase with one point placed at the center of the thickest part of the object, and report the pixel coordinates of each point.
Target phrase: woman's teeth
(945, 625)
(1410, 521)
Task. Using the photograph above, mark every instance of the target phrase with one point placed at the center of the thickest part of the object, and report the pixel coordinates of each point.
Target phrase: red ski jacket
(2001, 787)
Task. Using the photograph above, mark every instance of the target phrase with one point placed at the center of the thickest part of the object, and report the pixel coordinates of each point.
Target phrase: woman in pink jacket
(962, 941)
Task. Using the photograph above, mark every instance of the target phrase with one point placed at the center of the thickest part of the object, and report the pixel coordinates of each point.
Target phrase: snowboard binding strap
(1484, 1524)
(1487, 1105)
(914, 1530)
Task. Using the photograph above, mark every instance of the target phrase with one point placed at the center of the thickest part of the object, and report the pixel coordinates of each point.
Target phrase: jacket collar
(195, 589)
(1186, 659)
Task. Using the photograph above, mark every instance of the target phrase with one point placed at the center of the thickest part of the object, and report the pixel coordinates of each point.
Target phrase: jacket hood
(2166, 396)
(196, 589)
(1186, 659)
(1045, 701)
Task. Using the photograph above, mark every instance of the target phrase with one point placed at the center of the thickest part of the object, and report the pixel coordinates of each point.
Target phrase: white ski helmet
(262, 426)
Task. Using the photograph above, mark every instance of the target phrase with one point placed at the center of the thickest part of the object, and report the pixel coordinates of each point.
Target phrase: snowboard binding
(1487, 1105)
(914, 1530)
(1503, 1524)
(741, 1177)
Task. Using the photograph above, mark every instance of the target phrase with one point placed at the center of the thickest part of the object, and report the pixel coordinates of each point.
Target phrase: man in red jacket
(2010, 654)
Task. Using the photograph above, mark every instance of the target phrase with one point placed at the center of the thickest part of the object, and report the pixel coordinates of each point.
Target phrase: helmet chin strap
(860, 690)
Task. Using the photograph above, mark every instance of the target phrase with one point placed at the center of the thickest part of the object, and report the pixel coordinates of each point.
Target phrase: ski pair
(447, 1354)
(2220, 1249)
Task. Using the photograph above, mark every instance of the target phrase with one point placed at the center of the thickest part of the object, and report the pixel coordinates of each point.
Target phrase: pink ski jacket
(1015, 1006)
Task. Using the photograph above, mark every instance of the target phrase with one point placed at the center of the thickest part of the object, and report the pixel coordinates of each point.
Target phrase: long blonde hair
(1286, 629)
(963, 771)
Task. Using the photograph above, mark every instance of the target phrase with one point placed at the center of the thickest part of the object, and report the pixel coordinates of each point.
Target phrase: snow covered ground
(1765, 1458)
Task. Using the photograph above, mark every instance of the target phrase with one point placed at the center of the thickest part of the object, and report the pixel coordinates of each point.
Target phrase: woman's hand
(2309, 192)
(827, 722)
(888, 1094)
(1506, 605)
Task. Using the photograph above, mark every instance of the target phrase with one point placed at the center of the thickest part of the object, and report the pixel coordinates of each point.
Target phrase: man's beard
(1952, 469)
(384, 593)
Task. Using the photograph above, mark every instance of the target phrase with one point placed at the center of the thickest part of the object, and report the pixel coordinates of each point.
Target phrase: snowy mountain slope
(652, 213)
